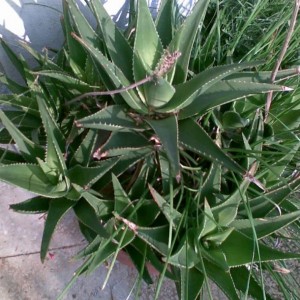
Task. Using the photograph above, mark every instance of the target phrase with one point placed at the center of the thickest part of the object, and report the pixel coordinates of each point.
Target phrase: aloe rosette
(118, 129)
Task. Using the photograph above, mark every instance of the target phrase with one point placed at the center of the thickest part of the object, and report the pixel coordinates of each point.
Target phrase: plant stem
(282, 54)
(113, 92)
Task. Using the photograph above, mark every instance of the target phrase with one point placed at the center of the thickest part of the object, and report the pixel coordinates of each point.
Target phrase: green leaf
(165, 21)
(265, 226)
(147, 44)
(158, 92)
(123, 142)
(118, 47)
(123, 205)
(55, 139)
(262, 205)
(240, 250)
(114, 75)
(155, 237)
(191, 283)
(86, 176)
(147, 51)
(70, 82)
(226, 212)
(107, 248)
(225, 92)
(102, 208)
(32, 179)
(264, 76)
(10, 157)
(167, 133)
(185, 257)
(84, 152)
(21, 102)
(212, 183)
(184, 39)
(138, 260)
(34, 205)
(77, 53)
(84, 28)
(171, 214)
(87, 215)
(188, 91)
(233, 120)
(193, 137)
(112, 118)
(15, 60)
(222, 279)
(243, 280)
(124, 164)
(29, 150)
(57, 209)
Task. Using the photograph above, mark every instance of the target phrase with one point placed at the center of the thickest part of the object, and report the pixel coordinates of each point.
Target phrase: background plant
(145, 140)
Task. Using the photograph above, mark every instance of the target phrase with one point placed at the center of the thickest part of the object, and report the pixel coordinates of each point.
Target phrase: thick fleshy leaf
(21, 102)
(84, 152)
(188, 91)
(83, 26)
(86, 176)
(112, 118)
(226, 212)
(121, 143)
(108, 248)
(241, 250)
(27, 148)
(225, 92)
(265, 226)
(171, 214)
(32, 179)
(194, 138)
(158, 92)
(58, 208)
(102, 208)
(167, 133)
(15, 60)
(71, 83)
(86, 215)
(185, 257)
(147, 44)
(147, 52)
(191, 283)
(263, 204)
(123, 205)
(221, 278)
(36, 205)
(55, 139)
(77, 53)
(184, 39)
(124, 164)
(264, 76)
(212, 183)
(243, 280)
(138, 260)
(115, 76)
(165, 21)
(155, 237)
(118, 47)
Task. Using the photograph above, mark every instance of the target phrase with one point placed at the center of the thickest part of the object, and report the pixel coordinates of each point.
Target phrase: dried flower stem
(282, 54)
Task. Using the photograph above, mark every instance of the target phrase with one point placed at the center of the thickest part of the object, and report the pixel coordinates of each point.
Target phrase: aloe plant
(163, 163)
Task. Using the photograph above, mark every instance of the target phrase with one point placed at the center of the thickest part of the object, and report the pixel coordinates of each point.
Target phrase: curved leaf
(193, 137)
(57, 209)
